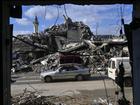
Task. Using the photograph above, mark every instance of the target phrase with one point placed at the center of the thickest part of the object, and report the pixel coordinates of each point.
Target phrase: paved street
(93, 87)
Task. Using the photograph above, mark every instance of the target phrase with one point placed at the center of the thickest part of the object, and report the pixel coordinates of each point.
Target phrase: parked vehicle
(66, 72)
(113, 69)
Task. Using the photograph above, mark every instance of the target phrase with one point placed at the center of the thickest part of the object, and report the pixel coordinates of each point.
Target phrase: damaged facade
(68, 40)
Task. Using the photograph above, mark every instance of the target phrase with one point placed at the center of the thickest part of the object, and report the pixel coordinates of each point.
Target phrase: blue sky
(105, 17)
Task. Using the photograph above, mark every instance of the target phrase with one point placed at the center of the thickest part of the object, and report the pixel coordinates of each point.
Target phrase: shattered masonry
(69, 38)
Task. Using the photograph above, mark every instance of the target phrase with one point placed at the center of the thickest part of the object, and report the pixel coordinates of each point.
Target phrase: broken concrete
(69, 37)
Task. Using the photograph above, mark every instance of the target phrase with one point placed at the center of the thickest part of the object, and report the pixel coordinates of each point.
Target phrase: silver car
(66, 72)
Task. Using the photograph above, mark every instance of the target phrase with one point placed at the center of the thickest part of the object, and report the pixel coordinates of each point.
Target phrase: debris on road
(101, 101)
(34, 98)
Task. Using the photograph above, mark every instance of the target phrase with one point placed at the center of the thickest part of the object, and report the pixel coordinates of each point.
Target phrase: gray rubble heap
(74, 37)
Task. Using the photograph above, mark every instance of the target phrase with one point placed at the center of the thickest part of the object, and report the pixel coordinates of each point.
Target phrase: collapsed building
(64, 43)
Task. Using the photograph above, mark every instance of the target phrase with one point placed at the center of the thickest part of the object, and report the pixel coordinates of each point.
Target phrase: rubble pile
(19, 45)
(45, 63)
(100, 58)
(95, 55)
(55, 60)
(38, 67)
(34, 98)
(101, 101)
(30, 98)
(63, 29)
(52, 39)
(73, 37)
(63, 33)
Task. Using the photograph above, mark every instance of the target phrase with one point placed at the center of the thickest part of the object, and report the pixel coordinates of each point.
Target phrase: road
(94, 87)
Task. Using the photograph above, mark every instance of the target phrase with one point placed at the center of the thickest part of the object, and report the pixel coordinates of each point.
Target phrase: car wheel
(79, 78)
(128, 82)
(48, 79)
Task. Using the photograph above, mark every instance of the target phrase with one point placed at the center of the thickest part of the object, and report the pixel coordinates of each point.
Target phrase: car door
(72, 72)
(66, 72)
(60, 74)
(69, 72)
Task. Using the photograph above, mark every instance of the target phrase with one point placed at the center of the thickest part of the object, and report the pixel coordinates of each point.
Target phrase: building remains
(63, 43)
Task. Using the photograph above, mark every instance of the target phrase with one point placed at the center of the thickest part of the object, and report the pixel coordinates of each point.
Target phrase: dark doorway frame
(6, 41)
